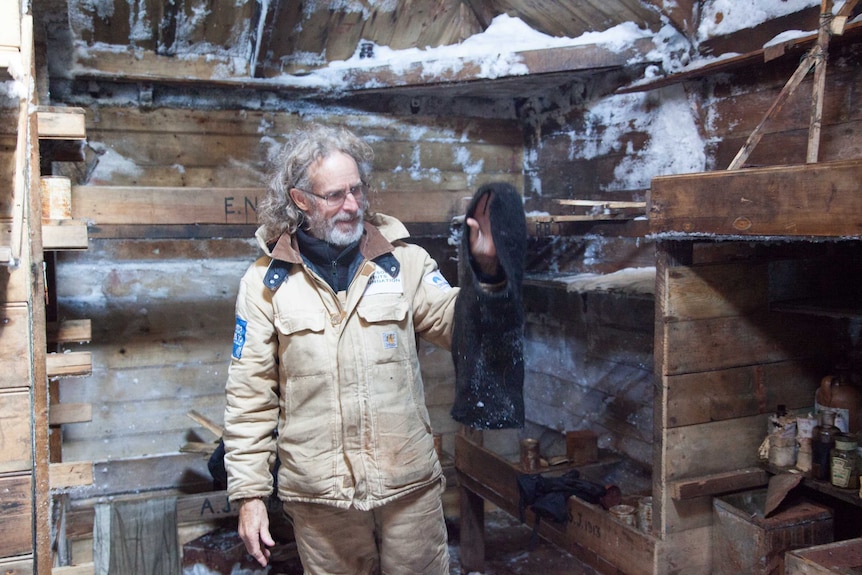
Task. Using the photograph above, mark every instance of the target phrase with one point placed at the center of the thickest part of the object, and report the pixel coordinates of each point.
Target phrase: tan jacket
(336, 374)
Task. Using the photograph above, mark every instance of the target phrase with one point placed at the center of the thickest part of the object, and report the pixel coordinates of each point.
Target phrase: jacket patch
(381, 282)
(390, 340)
(239, 337)
(437, 280)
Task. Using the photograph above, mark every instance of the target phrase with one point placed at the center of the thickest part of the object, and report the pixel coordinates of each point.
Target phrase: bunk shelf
(818, 200)
(540, 70)
(592, 532)
(847, 495)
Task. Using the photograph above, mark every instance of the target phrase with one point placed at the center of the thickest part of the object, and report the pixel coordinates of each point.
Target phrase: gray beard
(327, 230)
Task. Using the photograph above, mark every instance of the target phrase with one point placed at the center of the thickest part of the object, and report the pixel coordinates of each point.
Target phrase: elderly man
(325, 355)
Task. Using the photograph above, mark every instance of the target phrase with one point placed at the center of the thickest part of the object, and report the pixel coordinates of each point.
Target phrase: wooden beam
(62, 235)
(71, 364)
(738, 479)
(70, 331)
(62, 413)
(205, 422)
(56, 123)
(71, 474)
(821, 53)
(124, 205)
(822, 200)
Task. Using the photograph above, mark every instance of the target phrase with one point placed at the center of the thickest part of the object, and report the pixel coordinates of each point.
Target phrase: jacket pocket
(302, 342)
(386, 327)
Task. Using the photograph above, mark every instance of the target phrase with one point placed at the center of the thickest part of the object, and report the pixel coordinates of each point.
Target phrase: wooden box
(842, 558)
(743, 541)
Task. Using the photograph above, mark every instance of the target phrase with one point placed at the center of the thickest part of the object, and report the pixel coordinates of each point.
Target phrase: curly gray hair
(277, 212)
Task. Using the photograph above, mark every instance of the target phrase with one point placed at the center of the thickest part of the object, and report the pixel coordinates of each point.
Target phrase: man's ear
(302, 201)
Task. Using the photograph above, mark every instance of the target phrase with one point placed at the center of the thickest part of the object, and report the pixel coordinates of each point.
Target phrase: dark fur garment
(488, 339)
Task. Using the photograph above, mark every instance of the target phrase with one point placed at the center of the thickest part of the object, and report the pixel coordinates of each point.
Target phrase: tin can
(530, 455)
(625, 513)
(645, 514)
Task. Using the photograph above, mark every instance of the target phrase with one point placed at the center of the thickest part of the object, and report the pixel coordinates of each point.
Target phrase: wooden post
(822, 51)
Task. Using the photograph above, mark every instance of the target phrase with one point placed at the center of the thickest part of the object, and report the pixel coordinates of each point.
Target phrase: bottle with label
(823, 441)
(844, 472)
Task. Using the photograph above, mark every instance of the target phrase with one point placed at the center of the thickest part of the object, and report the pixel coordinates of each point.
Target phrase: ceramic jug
(838, 394)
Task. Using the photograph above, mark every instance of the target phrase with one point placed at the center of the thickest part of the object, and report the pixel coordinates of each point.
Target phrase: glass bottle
(823, 441)
(843, 472)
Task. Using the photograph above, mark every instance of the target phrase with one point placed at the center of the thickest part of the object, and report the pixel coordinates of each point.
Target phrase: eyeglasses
(336, 199)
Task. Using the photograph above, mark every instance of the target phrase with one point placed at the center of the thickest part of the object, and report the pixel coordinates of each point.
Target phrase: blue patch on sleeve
(239, 337)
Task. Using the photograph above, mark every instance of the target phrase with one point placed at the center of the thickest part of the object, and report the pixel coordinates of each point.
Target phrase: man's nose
(351, 204)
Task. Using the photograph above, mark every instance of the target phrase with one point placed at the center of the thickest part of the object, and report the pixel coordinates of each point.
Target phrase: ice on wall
(674, 144)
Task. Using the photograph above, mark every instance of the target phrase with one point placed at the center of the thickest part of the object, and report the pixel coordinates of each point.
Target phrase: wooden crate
(842, 558)
(743, 541)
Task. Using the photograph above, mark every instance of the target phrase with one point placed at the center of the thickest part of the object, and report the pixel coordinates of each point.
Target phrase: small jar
(844, 472)
(822, 443)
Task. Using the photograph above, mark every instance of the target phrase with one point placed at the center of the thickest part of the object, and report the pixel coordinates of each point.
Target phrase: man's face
(341, 224)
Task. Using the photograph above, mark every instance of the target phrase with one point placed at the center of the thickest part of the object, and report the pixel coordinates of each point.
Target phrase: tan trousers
(405, 537)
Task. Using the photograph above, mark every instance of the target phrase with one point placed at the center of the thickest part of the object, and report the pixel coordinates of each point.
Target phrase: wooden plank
(61, 235)
(70, 474)
(55, 123)
(61, 413)
(186, 472)
(16, 521)
(146, 65)
(715, 447)
(740, 391)
(108, 205)
(15, 346)
(726, 342)
(75, 363)
(722, 290)
(206, 423)
(70, 331)
(821, 200)
(16, 439)
(735, 480)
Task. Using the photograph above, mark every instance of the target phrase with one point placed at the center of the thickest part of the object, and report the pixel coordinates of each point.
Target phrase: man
(325, 355)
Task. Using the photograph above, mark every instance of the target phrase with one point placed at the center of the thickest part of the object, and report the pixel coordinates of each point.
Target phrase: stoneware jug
(837, 393)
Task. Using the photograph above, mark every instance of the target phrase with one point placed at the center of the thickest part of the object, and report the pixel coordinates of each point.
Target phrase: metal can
(530, 455)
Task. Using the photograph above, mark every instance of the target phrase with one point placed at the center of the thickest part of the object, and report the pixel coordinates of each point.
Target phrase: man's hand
(481, 241)
(254, 529)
